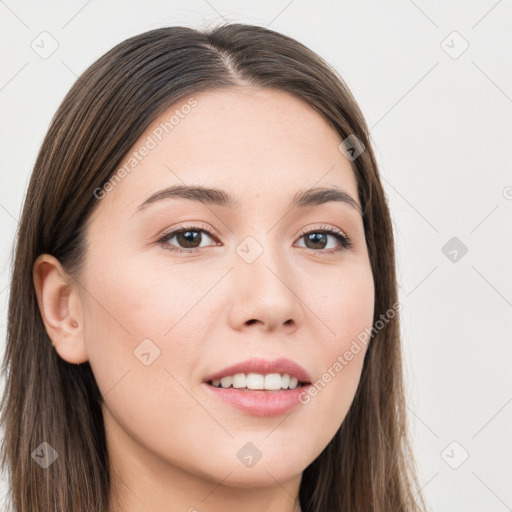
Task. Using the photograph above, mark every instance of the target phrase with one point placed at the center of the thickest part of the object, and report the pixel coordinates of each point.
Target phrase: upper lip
(263, 366)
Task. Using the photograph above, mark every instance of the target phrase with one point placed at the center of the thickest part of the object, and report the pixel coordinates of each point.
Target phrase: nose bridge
(261, 255)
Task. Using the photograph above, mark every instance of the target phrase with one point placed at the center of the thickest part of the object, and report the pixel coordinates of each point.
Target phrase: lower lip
(260, 402)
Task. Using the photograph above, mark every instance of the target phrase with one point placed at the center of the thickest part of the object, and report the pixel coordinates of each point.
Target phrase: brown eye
(188, 239)
(317, 240)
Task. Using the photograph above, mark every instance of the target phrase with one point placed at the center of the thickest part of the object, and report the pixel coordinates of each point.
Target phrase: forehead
(254, 143)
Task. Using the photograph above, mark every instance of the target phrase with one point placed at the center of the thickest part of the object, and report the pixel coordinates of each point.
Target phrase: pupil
(188, 237)
(314, 237)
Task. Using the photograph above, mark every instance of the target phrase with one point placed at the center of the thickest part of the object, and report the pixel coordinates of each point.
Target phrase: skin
(172, 445)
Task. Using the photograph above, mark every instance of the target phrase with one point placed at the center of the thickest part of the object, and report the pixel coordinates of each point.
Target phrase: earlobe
(60, 308)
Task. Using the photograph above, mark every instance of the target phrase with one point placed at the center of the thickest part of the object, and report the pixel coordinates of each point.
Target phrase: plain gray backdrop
(434, 82)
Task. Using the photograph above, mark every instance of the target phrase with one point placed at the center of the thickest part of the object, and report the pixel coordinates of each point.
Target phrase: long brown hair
(368, 465)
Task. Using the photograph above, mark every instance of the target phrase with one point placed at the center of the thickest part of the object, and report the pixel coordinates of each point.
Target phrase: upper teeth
(271, 381)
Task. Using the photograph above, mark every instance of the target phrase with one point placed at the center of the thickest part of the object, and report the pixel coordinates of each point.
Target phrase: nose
(265, 294)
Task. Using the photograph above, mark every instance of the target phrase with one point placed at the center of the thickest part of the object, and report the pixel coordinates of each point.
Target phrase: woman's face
(161, 314)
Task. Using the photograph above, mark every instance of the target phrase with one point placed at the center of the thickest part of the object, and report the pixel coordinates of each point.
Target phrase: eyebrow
(213, 196)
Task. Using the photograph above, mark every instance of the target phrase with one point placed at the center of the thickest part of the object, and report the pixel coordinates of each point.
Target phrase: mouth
(260, 387)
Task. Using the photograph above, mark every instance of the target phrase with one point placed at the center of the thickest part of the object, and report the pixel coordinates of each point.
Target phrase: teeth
(271, 381)
(225, 382)
(239, 380)
(255, 381)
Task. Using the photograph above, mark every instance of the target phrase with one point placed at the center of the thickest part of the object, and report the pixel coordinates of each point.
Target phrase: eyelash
(343, 239)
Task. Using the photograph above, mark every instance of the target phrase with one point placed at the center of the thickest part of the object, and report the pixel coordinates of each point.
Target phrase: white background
(441, 126)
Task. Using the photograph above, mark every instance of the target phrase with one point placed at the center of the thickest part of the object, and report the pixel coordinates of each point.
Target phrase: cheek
(346, 308)
(122, 326)
(334, 387)
(142, 372)
(141, 322)
(343, 301)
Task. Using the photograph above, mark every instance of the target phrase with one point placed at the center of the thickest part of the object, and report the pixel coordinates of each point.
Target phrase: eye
(317, 239)
(189, 238)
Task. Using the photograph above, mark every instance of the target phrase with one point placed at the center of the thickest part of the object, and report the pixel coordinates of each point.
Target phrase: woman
(203, 312)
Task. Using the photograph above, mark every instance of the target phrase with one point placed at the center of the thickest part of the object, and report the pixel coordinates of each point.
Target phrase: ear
(61, 308)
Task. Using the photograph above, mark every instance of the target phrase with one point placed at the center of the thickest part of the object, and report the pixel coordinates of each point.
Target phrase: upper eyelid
(321, 228)
(193, 227)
